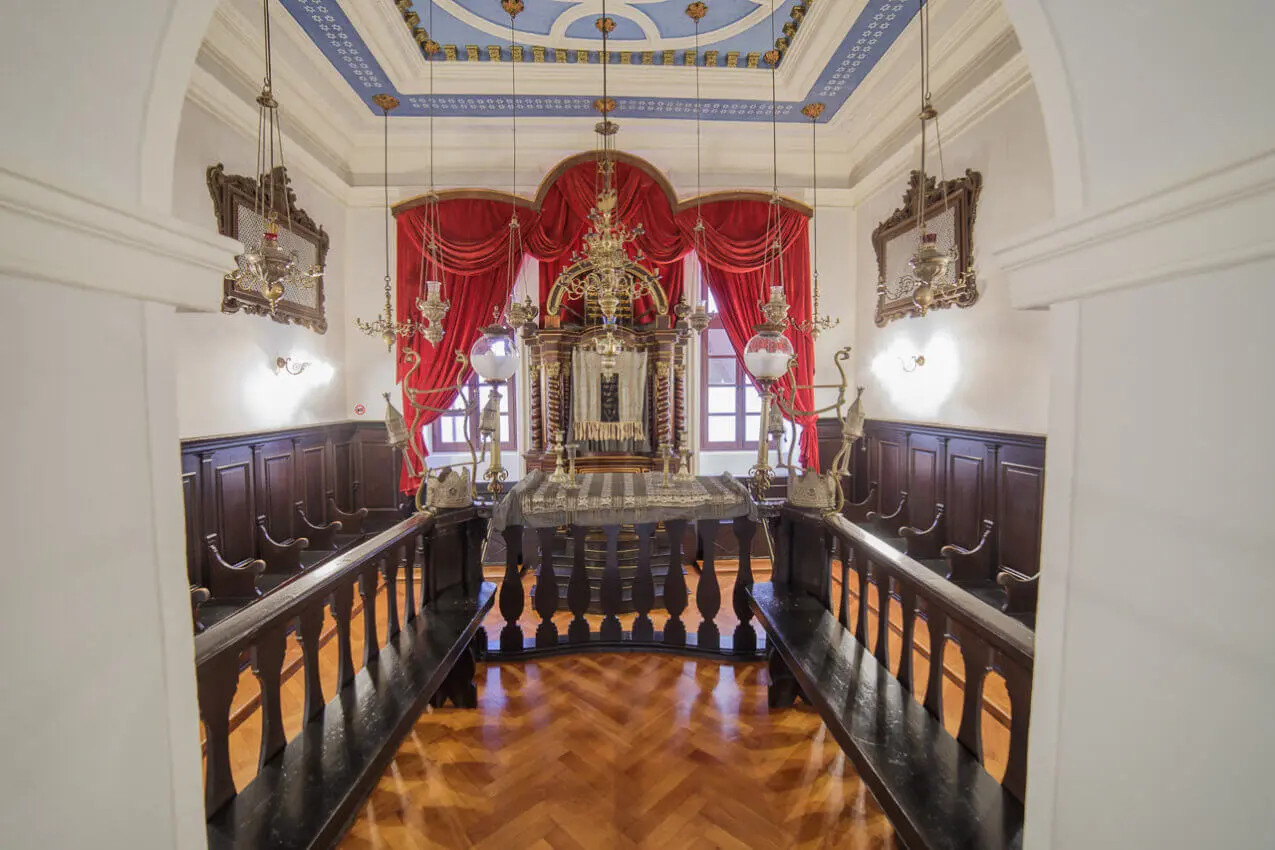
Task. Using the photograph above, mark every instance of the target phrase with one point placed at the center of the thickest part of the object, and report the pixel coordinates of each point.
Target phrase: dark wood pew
(283, 560)
(932, 786)
(308, 789)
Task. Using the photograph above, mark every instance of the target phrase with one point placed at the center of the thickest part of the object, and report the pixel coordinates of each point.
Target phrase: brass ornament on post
(445, 488)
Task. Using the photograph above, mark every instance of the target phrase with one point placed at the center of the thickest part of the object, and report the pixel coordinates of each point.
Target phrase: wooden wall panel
(979, 476)
(228, 481)
(377, 476)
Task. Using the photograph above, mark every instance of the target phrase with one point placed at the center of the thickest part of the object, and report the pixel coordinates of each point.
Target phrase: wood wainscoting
(982, 492)
(229, 481)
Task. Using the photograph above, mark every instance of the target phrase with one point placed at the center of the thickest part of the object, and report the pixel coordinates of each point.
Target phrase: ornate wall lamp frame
(234, 194)
(960, 287)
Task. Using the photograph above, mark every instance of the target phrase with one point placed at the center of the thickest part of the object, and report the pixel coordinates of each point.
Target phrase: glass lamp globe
(767, 355)
(494, 355)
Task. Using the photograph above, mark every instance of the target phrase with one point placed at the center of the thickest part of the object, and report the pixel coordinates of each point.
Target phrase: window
(730, 407)
(447, 433)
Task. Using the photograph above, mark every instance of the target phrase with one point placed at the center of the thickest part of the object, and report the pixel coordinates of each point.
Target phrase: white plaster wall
(369, 368)
(1165, 672)
(98, 721)
(986, 366)
(225, 363)
(837, 248)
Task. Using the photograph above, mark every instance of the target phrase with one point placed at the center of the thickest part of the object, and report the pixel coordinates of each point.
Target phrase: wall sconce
(912, 363)
(292, 367)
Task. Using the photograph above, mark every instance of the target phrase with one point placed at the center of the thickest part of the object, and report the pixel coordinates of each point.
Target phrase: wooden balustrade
(989, 640)
(427, 652)
(604, 596)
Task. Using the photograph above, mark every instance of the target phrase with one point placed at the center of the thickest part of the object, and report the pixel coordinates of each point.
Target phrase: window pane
(451, 433)
(718, 342)
(721, 429)
(504, 429)
(459, 403)
(752, 401)
(721, 371)
(721, 400)
(710, 303)
(751, 424)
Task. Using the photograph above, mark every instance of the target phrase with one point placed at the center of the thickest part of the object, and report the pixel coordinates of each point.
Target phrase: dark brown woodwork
(745, 638)
(610, 629)
(267, 666)
(309, 633)
(675, 585)
(229, 482)
(644, 585)
(708, 595)
(578, 594)
(511, 602)
(546, 590)
(226, 581)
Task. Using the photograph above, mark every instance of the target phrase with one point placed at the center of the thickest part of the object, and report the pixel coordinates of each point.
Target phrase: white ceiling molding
(1008, 81)
(104, 247)
(1215, 220)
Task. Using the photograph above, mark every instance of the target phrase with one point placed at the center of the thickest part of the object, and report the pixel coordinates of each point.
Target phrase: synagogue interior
(637, 423)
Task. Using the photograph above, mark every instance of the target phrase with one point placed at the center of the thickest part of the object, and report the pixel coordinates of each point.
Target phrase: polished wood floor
(620, 751)
(619, 728)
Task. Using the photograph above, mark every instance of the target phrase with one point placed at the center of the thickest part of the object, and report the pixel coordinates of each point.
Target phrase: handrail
(1002, 632)
(241, 629)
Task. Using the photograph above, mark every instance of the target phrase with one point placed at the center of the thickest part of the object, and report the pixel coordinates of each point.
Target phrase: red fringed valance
(473, 238)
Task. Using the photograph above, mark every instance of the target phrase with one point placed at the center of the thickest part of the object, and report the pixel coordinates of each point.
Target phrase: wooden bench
(934, 791)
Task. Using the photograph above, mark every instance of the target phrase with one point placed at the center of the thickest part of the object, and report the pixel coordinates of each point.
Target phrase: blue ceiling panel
(641, 25)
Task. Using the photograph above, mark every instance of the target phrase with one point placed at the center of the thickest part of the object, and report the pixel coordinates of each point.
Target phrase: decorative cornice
(1215, 220)
(53, 234)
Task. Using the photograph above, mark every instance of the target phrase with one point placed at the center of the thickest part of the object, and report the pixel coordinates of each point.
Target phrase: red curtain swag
(473, 241)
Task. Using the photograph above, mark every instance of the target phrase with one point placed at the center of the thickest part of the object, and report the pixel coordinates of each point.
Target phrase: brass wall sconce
(912, 363)
(292, 367)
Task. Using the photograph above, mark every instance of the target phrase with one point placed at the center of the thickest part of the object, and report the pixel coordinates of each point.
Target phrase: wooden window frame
(509, 391)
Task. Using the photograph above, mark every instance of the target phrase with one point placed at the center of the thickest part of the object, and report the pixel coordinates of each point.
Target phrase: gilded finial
(605, 25)
(387, 102)
(771, 57)
(696, 11)
(512, 7)
(813, 110)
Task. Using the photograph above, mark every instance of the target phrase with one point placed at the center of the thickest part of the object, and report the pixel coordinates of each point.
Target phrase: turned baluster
(861, 577)
(708, 595)
(745, 634)
(342, 605)
(908, 640)
(267, 666)
(882, 651)
(644, 586)
(846, 555)
(610, 596)
(429, 581)
(217, 681)
(511, 593)
(974, 652)
(367, 590)
(389, 569)
(546, 591)
(578, 588)
(1018, 682)
(936, 621)
(408, 554)
(675, 585)
(309, 632)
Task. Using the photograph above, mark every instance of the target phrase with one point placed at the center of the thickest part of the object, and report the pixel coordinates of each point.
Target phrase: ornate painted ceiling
(733, 35)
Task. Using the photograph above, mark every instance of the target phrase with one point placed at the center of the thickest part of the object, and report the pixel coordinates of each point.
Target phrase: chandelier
(816, 324)
(930, 264)
(433, 307)
(265, 266)
(604, 270)
(385, 326)
(521, 316)
(692, 313)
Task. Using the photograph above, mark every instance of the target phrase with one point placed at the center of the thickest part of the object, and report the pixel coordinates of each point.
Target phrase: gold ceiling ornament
(606, 26)
(696, 12)
(930, 264)
(265, 266)
(385, 325)
(816, 324)
(512, 7)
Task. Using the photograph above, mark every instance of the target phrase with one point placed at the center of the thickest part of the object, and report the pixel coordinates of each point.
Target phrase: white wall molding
(1215, 220)
(53, 234)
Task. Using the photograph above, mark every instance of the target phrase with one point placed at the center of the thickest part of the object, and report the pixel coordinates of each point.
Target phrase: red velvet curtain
(473, 242)
(740, 269)
(473, 237)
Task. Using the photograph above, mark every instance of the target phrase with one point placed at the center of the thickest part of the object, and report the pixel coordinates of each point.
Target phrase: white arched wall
(1152, 668)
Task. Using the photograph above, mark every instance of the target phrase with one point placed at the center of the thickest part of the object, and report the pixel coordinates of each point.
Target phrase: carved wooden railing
(425, 576)
(989, 640)
(735, 640)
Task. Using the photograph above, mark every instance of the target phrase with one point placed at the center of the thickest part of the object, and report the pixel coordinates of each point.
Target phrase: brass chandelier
(433, 307)
(265, 266)
(816, 324)
(695, 318)
(385, 325)
(930, 264)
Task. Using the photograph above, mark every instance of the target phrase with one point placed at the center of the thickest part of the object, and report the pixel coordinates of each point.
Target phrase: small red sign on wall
(359, 409)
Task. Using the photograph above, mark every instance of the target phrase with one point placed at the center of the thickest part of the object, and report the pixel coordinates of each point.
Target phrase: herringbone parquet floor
(620, 751)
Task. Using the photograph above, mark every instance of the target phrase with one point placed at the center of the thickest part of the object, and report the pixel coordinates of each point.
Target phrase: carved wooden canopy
(950, 208)
(234, 200)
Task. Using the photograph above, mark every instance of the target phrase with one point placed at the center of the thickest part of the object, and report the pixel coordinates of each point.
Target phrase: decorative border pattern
(865, 44)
